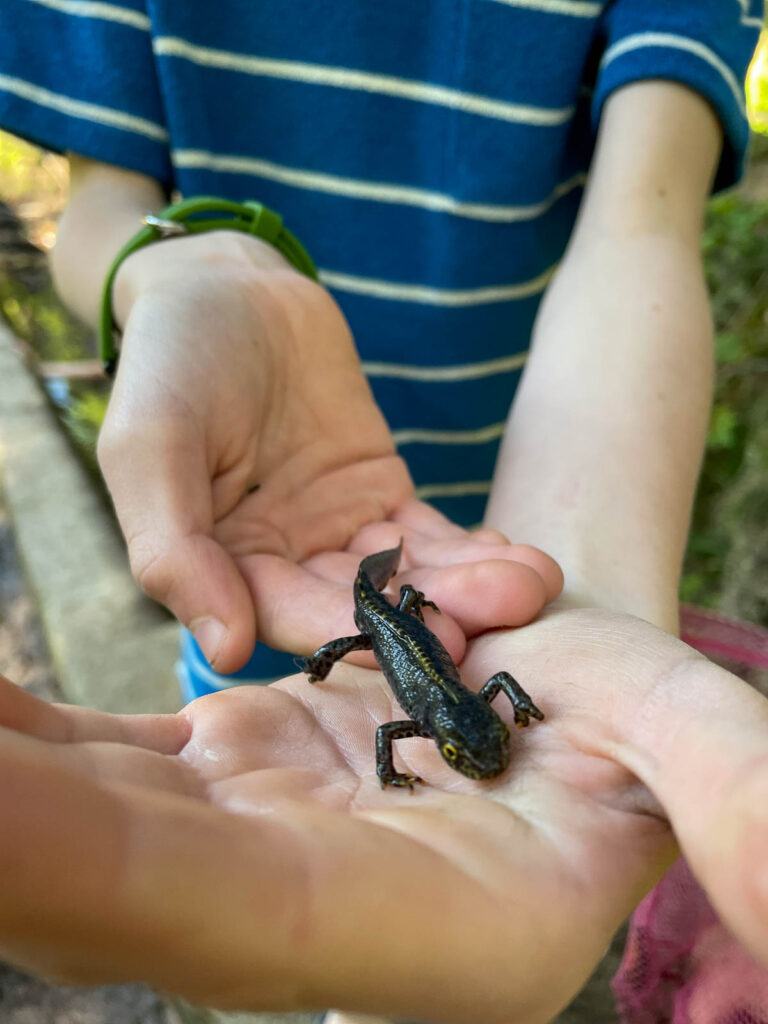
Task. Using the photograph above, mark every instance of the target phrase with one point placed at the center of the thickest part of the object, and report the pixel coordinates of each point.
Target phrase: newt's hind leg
(322, 661)
(524, 707)
(412, 600)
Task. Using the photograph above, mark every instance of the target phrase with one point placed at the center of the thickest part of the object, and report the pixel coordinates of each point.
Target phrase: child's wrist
(188, 219)
(154, 266)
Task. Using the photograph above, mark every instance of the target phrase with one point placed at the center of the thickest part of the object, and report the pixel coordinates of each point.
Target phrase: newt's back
(418, 668)
(469, 734)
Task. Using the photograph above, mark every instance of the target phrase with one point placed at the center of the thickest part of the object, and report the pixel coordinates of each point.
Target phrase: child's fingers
(105, 762)
(482, 595)
(472, 550)
(59, 723)
(163, 734)
(701, 745)
(432, 540)
(297, 610)
(25, 713)
(161, 486)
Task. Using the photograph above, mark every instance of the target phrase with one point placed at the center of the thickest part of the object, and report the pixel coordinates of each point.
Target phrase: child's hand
(243, 855)
(242, 442)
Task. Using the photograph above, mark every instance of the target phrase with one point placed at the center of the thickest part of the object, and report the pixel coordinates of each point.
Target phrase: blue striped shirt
(431, 155)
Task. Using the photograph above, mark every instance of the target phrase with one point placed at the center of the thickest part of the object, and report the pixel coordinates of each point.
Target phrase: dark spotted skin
(469, 734)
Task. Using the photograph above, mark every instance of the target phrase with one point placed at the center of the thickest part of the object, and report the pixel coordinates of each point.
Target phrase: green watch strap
(191, 217)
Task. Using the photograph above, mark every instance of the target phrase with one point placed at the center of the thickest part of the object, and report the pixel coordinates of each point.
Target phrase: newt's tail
(381, 567)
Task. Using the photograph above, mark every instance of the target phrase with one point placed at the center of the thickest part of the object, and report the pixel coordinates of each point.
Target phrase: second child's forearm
(604, 443)
(104, 211)
(603, 447)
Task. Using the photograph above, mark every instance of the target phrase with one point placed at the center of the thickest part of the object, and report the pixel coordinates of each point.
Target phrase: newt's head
(473, 740)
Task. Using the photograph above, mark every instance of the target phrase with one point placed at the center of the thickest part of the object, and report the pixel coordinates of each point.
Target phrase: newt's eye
(450, 751)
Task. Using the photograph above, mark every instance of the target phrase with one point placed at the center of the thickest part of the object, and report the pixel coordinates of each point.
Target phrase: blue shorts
(197, 678)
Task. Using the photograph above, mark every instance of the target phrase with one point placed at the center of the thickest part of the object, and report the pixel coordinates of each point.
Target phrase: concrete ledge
(187, 1014)
(111, 647)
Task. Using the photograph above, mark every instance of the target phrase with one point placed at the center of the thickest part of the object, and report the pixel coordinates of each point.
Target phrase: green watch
(191, 217)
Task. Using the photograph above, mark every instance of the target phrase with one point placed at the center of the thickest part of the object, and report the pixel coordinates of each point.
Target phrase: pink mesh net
(681, 965)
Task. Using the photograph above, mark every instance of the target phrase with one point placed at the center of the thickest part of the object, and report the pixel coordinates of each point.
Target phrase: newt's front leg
(322, 661)
(385, 766)
(524, 707)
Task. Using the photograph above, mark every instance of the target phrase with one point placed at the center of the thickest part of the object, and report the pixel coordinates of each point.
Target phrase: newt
(470, 735)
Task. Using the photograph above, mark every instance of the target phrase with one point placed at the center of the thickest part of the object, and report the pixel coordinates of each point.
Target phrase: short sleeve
(704, 44)
(80, 75)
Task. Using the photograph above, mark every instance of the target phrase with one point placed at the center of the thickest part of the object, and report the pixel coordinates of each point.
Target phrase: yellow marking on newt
(425, 662)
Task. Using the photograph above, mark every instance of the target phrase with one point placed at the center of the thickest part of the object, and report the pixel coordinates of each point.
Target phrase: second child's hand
(242, 853)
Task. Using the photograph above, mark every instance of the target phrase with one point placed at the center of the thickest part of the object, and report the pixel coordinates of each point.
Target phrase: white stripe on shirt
(99, 10)
(417, 435)
(570, 8)
(446, 374)
(757, 21)
(363, 81)
(376, 191)
(641, 40)
(80, 108)
(459, 490)
(430, 296)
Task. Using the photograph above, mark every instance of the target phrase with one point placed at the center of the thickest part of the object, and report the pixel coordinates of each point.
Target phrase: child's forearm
(105, 208)
(604, 443)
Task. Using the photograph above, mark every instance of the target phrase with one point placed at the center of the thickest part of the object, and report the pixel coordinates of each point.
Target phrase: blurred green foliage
(83, 415)
(727, 560)
(30, 174)
(37, 317)
(33, 189)
(757, 86)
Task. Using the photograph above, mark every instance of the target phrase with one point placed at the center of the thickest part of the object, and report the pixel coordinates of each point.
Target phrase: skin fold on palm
(242, 852)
